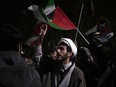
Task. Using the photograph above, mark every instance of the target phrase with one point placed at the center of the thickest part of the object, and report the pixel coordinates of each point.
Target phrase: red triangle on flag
(61, 20)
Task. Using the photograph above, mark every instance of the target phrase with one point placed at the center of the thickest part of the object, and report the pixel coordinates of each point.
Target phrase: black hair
(10, 38)
(68, 48)
(51, 47)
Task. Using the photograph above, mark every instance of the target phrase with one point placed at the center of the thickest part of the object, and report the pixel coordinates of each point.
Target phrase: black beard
(63, 58)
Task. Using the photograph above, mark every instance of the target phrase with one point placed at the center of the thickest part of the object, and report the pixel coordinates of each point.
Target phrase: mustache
(64, 57)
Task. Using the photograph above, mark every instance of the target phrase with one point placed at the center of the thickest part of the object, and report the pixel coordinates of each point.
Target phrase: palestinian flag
(102, 26)
(56, 18)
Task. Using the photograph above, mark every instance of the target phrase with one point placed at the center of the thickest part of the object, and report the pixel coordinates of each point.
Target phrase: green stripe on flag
(50, 7)
(53, 25)
(49, 21)
(55, 17)
(50, 2)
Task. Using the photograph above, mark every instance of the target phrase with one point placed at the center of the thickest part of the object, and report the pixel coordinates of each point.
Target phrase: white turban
(71, 44)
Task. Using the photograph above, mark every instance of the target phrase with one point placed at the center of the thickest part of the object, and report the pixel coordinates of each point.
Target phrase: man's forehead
(62, 46)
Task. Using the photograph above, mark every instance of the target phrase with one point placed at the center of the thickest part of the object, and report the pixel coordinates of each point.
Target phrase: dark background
(12, 11)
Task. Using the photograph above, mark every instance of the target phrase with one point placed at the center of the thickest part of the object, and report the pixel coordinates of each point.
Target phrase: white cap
(70, 43)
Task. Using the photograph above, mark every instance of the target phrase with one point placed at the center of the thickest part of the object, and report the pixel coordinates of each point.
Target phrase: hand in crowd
(42, 33)
(43, 30)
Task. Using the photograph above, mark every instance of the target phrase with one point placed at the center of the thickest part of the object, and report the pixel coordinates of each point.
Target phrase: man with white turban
(67, 75)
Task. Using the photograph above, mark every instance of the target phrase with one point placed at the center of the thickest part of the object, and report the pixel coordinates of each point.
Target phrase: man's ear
(70, 54)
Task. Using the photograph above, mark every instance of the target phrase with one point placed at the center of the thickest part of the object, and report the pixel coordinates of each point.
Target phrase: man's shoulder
(77, 70)
(17, 76)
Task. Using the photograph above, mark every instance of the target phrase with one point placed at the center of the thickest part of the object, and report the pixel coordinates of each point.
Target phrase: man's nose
(58, 50)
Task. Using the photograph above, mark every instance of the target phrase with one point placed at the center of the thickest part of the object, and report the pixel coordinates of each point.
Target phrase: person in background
(67, 74)
(108, 78)
(32, 47)
(86, 61)
(48, 64)
(14, 71)
(27, 54)
(45, 58)
(100, 43)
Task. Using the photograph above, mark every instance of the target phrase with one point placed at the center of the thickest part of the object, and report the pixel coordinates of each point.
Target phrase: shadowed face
(53, 54)
(62, 52)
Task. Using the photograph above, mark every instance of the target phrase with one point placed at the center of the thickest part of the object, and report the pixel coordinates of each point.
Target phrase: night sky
(12, 12)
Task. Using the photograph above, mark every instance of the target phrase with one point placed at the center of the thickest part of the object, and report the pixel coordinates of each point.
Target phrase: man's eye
(61, 48)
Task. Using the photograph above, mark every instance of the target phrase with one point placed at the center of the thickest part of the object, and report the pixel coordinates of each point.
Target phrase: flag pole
(79, 20)
(78, 26)
(82, 36)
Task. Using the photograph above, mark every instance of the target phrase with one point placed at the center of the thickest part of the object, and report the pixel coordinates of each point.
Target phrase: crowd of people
(59, 65)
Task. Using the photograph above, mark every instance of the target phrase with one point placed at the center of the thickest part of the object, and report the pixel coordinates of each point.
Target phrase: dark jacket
(14, 72)
(77, 78)
(108, 79)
